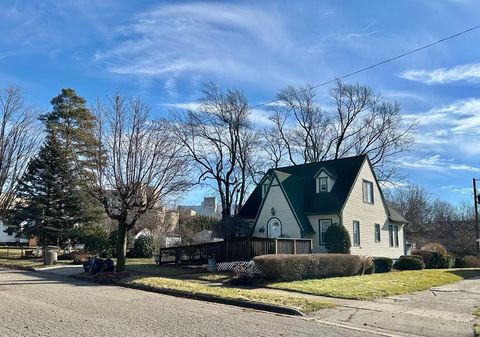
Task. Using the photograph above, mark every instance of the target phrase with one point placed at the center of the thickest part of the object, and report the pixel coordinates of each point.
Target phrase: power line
(382, 62)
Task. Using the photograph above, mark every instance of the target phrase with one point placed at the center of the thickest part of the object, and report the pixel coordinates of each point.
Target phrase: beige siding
(276, 199)
(368, 215)
(314, 221)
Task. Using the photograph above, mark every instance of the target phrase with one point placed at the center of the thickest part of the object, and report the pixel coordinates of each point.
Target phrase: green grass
(147, 266)
(368, 287)
(26, 263)
(224, 292)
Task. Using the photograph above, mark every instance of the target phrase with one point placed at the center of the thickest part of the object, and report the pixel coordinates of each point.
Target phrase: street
(37, 304)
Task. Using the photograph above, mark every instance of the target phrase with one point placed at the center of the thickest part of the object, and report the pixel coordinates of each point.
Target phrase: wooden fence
(238, 249)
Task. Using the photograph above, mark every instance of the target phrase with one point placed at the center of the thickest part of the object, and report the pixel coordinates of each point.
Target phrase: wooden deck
(238, 249)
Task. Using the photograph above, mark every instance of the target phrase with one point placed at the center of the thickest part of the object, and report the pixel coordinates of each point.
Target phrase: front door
(274, 228)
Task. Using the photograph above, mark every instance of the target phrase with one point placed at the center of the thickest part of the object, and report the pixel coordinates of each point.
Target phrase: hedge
(288, 267)
(472, 261)
(382, 264)
(433, 259)
(409, 262)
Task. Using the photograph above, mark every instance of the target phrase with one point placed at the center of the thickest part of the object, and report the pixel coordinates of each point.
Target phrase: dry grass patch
(368, 287)
(224, 292)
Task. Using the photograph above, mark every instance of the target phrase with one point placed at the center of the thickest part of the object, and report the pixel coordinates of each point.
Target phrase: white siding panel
(368, 215)
(276, 199)
(314, 221)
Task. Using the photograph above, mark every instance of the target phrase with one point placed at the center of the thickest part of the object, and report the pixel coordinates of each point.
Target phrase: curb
(202, 297)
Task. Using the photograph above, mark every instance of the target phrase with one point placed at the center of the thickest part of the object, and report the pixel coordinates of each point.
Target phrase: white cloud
(212, 39)
(437, 163)
(194, 106)
(467, 72)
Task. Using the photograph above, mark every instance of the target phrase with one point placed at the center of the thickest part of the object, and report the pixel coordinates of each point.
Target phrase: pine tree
(49, 197)
(73, 124)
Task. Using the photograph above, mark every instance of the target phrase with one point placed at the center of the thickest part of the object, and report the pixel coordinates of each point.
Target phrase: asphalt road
(35, 304)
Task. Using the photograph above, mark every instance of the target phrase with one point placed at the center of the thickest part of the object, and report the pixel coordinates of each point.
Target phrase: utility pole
(477, 234)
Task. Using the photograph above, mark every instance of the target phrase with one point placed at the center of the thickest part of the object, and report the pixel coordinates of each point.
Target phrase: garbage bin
(50, 256)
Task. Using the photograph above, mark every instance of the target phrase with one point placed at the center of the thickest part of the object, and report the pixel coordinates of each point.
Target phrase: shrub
(143, 247)
(472, 261)
(432, 259)
(451, 261)
(337, 239)
(409, 262)
(113, 238)
(368, 265)
(435, 247)
(302, 266)
(460, 262)
(95, 239)
(382, 264)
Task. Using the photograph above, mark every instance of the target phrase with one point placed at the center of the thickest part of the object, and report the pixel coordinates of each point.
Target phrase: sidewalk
(61, 270)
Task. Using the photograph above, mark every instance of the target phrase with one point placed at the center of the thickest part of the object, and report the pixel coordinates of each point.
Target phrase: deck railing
(238, 249)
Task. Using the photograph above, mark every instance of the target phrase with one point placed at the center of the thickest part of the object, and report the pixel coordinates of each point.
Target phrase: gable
(277, 206)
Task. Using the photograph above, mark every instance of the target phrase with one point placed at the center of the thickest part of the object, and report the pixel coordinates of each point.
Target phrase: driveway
(442, 311)
(37, 304)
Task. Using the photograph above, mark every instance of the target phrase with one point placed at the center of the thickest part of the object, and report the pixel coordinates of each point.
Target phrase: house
(302, 201)
(9, 237)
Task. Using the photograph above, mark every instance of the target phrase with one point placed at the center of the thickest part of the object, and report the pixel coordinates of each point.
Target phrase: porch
(237, 249)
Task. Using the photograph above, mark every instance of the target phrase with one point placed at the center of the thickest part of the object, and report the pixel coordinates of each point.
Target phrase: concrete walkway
(61, 270)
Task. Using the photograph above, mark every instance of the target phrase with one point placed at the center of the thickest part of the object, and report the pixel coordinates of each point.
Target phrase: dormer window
(324, 181)
(323, 184)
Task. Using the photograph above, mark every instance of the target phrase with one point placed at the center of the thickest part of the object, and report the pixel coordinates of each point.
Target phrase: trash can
(50, 256)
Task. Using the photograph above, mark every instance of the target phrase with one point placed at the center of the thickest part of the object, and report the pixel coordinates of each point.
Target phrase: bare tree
(19, 133)
(360, 122)
(138, 165)
(220, 140)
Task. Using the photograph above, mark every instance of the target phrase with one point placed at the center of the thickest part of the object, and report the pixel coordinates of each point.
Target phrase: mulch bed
(107, 277)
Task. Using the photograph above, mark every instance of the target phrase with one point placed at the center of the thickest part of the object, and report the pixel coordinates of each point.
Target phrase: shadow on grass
(466, 273)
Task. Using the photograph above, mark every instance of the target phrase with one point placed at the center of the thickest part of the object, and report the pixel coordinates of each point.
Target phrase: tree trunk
(121, 245)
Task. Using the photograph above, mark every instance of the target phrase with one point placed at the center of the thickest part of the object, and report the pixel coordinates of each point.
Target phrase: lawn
(368, 287)
(147, 266)
(224, 292)
(26, 263)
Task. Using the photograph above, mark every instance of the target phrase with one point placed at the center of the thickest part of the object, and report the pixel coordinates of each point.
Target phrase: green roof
(300, 186)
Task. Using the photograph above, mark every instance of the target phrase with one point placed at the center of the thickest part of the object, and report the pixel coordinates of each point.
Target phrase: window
(323, 224)
(377, 232)
(356, 233)
(368, 192)
(393, 235)
(323, 184)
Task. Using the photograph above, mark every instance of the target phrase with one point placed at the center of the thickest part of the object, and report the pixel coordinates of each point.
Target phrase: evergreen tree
(73, 124)
(50, 198)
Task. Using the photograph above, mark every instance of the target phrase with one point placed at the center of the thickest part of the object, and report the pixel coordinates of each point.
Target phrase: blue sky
(164, 51)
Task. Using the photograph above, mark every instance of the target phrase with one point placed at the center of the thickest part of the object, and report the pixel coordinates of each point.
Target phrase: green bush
(337, 239)
(143, 247)
(460, 262)
(382, 264)
(303, 266)
(433, 259)
(472, 261)
(113, 243)
(95, 238)
(451, 261)
(409, 262)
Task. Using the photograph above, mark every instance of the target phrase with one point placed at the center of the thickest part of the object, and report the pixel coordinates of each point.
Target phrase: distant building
(208, 207)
